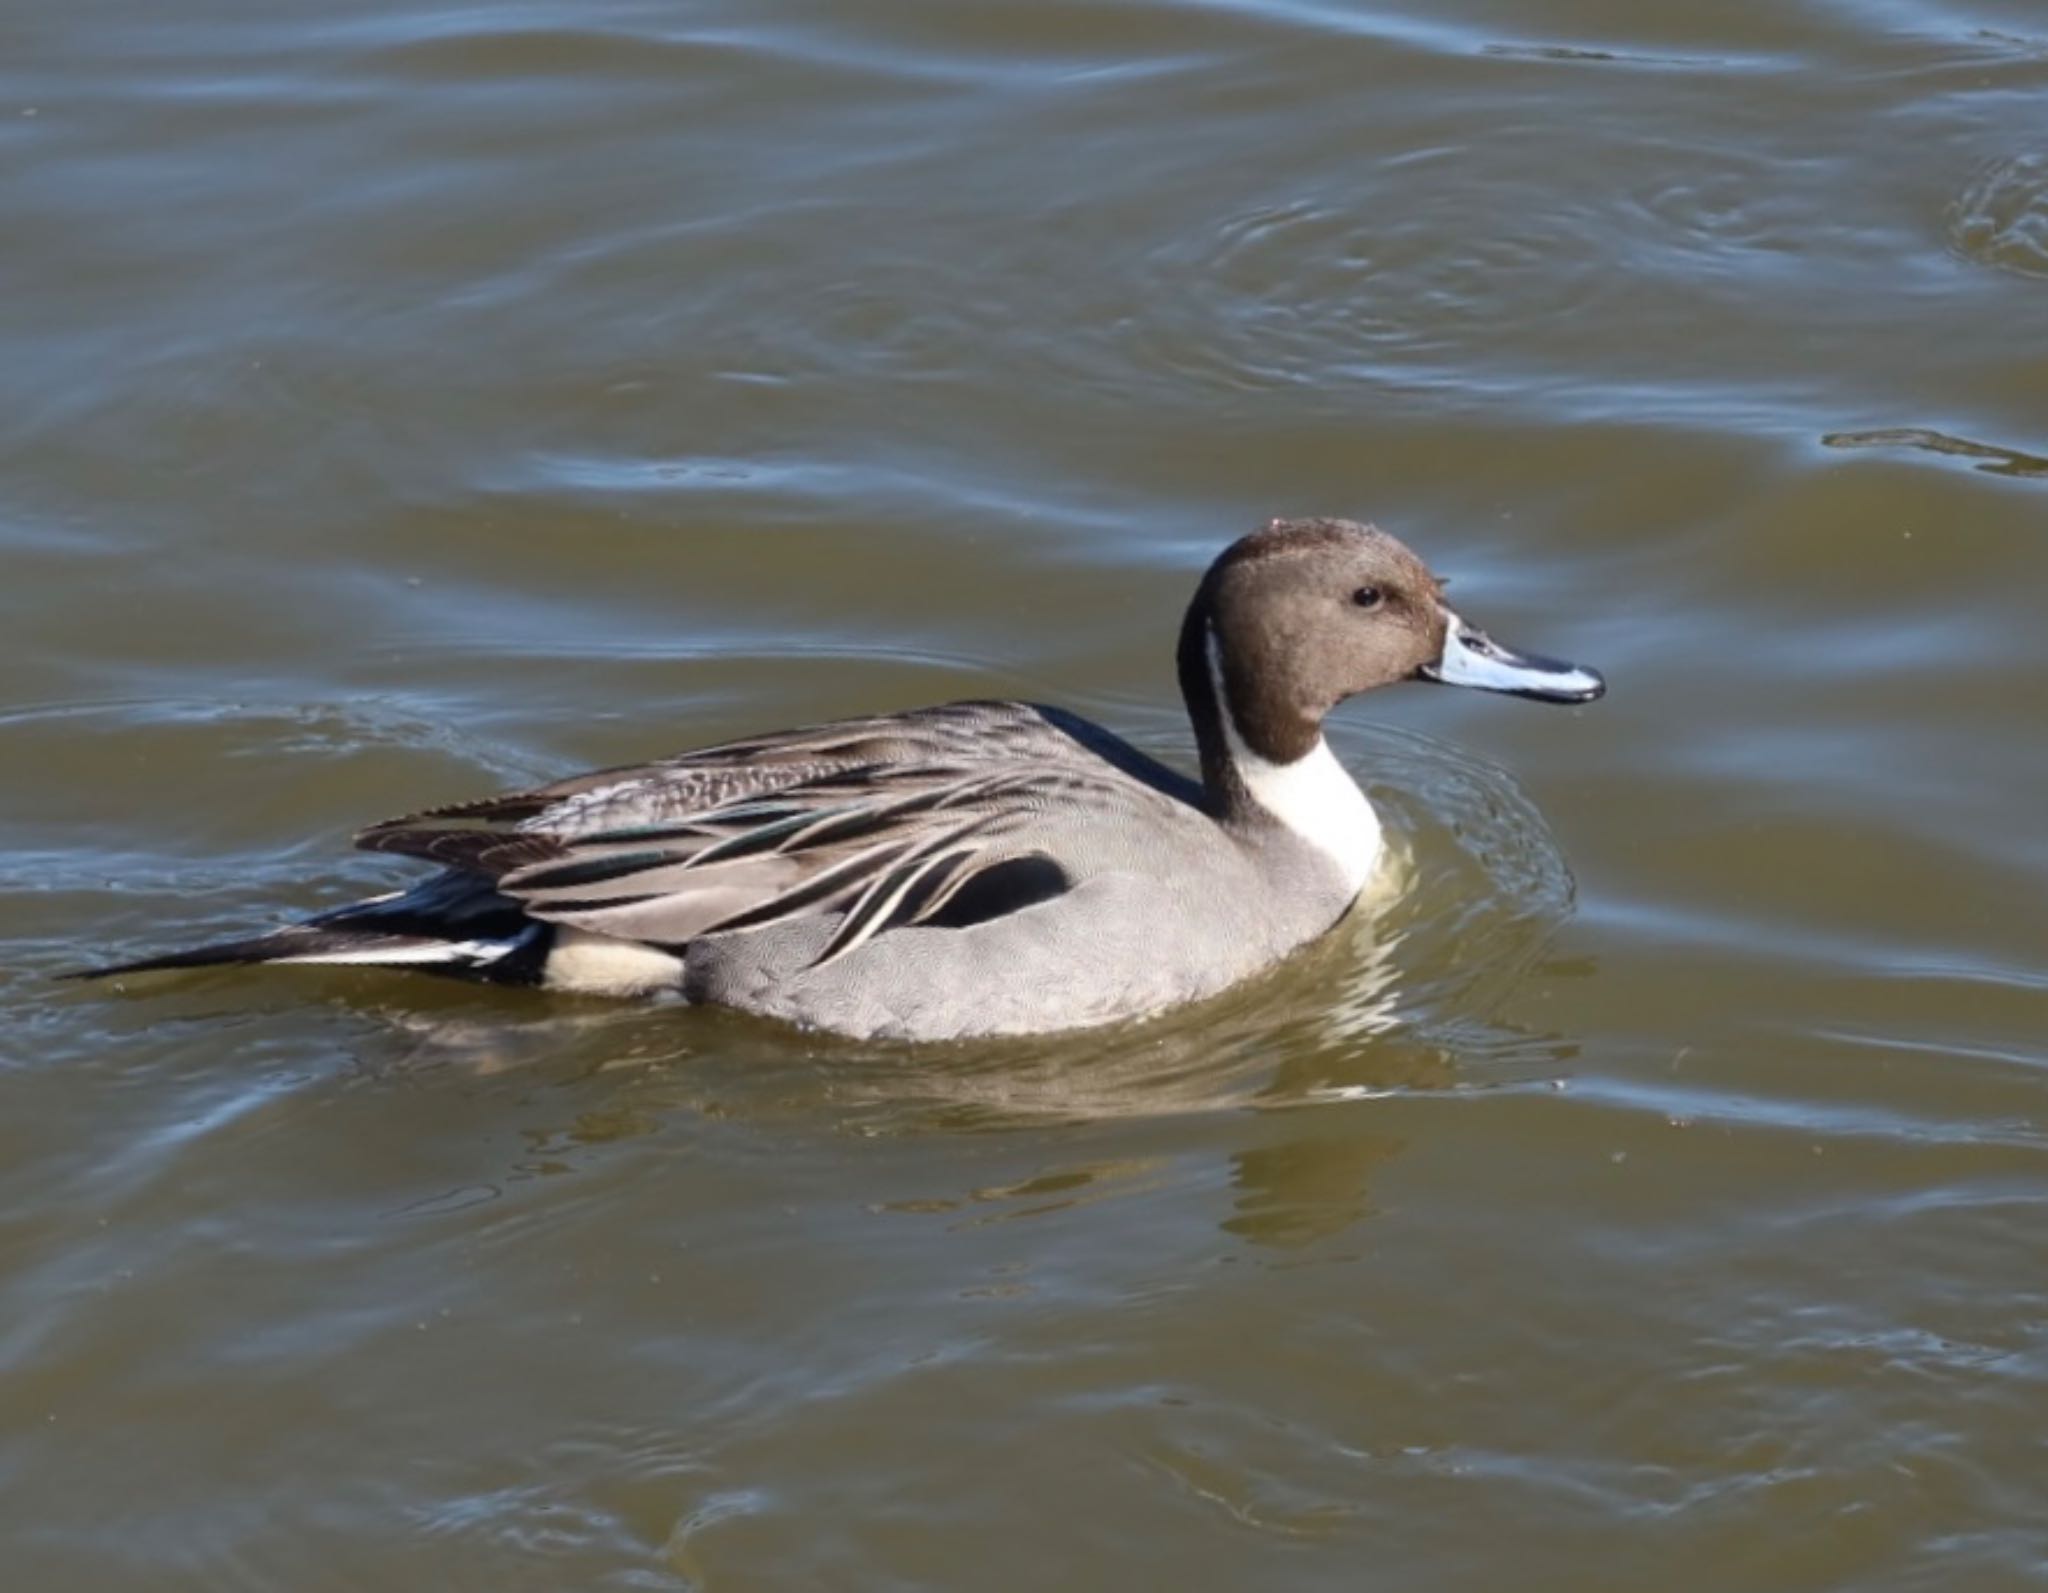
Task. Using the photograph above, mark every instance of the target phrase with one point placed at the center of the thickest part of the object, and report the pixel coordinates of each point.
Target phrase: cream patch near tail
(604, 965)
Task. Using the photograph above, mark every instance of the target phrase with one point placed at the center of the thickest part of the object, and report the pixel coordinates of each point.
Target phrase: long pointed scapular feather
(819, 888)
(877, 908)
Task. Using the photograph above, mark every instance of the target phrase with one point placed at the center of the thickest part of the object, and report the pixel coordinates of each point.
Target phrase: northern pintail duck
(981, 868)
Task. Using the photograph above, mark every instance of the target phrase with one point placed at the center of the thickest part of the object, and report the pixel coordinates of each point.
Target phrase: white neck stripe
(1313, 796)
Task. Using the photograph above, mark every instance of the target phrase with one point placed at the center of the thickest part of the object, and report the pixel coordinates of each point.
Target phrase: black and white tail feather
(451, 924)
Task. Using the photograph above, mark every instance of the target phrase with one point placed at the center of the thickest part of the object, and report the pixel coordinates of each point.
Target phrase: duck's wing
(886, 822)
(730, 772)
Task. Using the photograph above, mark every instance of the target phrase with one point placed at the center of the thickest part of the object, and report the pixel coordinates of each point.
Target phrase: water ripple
(2001, 218)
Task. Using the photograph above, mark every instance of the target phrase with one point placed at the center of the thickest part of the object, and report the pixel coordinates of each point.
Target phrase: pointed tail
(315, 945)
(453, 923)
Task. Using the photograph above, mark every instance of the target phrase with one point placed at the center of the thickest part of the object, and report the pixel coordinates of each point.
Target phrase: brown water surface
(398, 401)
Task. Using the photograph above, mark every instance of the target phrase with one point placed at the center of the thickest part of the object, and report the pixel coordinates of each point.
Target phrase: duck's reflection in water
(1250, 1067)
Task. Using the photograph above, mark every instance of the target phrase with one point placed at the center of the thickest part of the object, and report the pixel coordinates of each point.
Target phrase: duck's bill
(1472, 658)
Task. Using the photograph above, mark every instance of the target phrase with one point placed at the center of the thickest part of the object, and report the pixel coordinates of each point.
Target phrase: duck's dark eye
(1368, 597)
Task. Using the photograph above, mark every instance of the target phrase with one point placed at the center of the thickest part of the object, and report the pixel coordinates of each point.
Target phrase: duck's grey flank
(981, 868)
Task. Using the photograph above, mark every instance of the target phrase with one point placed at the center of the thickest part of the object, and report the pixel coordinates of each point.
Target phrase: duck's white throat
(1314, 796)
